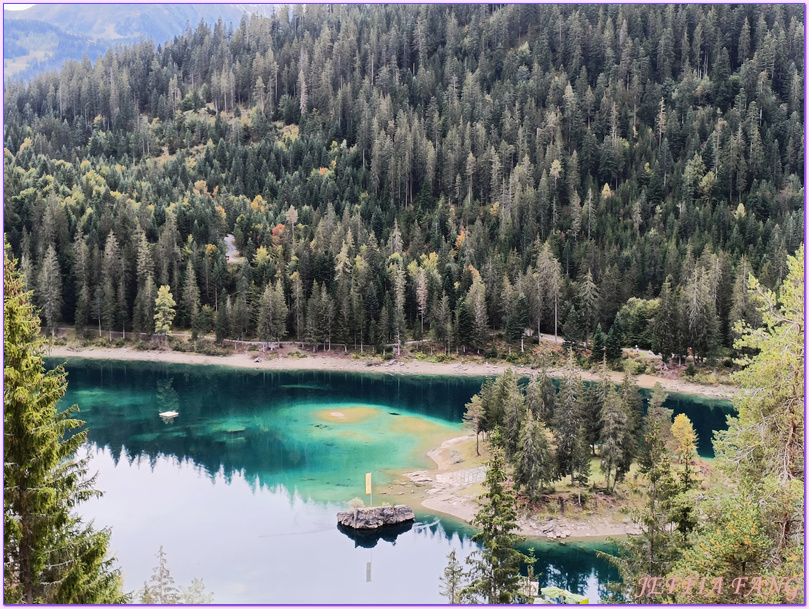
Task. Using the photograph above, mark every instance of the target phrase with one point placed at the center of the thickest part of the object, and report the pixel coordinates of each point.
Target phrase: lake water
(243, 487)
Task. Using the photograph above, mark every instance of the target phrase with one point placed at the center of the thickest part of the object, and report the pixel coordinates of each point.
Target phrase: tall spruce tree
(49, 289)
(190, 299)
(266, 321)
(533, 462)
(162, 590)
(540, 396)
(495, 567)
(652, 553)
(632, 404)
(567, 424)
(614, 426)
(453, 580)
(50, 555)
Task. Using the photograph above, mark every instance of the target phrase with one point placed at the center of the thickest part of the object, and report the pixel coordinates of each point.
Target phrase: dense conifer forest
(610, 172)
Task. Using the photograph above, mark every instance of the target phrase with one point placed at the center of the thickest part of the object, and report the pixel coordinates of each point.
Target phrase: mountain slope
(44, 36)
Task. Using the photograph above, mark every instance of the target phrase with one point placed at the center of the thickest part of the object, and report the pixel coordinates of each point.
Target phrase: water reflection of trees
(573, 566)
(128, 424)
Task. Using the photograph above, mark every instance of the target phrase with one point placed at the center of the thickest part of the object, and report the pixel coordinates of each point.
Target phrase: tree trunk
(555, 319)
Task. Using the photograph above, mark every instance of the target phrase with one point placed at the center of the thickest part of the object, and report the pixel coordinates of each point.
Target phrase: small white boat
(169, 414)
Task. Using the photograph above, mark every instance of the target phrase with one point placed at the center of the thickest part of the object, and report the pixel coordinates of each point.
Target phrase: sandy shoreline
(450, 490)
(339, 363)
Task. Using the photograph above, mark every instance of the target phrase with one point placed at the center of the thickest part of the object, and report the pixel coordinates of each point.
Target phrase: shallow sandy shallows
(346, 414)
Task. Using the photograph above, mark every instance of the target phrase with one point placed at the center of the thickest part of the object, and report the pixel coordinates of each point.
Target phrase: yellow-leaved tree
(685, 438)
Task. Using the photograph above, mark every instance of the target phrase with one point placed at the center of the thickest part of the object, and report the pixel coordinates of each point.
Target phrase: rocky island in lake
(372, 518)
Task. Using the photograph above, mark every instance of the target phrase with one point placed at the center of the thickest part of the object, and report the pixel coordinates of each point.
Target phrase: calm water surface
(242, 488)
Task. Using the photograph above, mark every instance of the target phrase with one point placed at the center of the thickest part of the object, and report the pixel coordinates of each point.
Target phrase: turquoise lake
(242, 488)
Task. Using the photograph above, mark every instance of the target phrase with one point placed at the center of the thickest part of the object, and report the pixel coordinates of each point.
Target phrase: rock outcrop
(371, 518)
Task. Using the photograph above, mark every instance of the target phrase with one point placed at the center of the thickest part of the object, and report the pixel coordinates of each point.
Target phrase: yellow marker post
(368, 490)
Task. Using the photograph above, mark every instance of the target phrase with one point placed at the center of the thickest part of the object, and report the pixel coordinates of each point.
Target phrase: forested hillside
(404, 171)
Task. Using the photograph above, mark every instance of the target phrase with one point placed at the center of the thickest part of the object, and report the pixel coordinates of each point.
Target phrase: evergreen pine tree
(495, 567)
(664, 335)
(49, 554)
(597, 345)
(567, 423)
(162, 590)
(591, 405)
(476, 303)
(144, 306)
(265, 315)
(464, 325)
(49, 289)
(514, 415)
(473, 419)
(191, 300)
(222, 321)
(632, 404)
(581, 461)
(279, 312)
(540, 396)
(614, 426)
(517, 321)
(651, 553)
(453, 580)
(589, 299)
(533, 463)
(612, 345)
(195, 594)
(655, 415)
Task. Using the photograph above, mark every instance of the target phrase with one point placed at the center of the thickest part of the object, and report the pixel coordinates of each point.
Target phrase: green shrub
(690, 371)
(639, 367)
(180, 346)
(208, 348)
